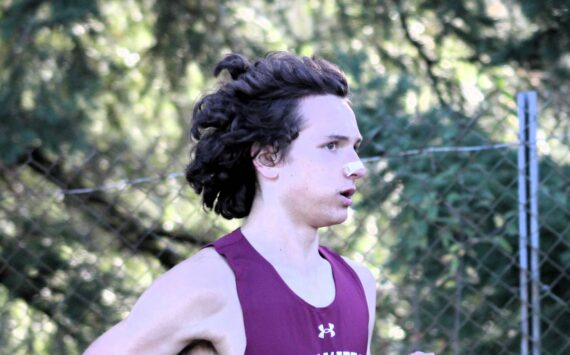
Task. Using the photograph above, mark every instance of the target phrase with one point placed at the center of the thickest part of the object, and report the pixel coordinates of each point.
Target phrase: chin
(334, 220)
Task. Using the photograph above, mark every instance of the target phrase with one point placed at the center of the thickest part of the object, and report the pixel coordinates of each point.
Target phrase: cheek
(312, 175)
(316, 176)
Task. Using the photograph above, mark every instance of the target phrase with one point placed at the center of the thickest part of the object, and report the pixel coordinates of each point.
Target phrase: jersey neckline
(323, 254)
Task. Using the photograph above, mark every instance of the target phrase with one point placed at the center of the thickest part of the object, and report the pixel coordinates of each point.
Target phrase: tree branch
(132, 234)
(27, 288)
(428, 61)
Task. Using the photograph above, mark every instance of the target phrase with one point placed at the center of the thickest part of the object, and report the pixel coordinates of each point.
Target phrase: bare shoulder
(205, 270)
(202, 279)
(192, 301)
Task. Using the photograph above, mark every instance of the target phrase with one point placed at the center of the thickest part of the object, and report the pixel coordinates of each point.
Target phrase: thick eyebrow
(340, 137)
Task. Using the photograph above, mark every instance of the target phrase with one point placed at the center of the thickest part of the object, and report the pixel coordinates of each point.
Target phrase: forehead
(327, 115)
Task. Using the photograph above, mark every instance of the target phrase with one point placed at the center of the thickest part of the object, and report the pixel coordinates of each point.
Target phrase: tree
(94, 102)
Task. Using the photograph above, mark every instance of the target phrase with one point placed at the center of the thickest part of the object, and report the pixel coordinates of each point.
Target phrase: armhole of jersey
(343, 263)
(227, 260)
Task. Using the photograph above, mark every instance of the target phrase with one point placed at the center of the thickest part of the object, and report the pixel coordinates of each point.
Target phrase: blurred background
(95, 102)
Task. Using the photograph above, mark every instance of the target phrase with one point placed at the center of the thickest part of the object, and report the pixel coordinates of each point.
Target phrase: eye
(331, 146)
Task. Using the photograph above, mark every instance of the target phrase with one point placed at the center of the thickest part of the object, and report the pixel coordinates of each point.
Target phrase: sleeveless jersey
(277, 321)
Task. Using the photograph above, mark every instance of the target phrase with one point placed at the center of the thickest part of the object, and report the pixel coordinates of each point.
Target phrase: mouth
(346, 196)
(348, 192)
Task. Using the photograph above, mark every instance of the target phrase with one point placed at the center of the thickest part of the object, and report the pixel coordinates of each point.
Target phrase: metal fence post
(528, 222)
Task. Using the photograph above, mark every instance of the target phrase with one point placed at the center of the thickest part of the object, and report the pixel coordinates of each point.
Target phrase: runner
(276, 145)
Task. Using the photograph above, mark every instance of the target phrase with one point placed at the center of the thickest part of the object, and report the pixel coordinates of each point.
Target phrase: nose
(354, 169)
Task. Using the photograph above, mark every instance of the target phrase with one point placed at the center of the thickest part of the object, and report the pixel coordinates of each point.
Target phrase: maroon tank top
(277, 321)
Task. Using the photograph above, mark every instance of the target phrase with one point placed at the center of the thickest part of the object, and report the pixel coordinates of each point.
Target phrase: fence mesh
(83, 234)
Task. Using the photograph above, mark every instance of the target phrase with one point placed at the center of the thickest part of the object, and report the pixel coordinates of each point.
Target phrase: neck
(280, 239)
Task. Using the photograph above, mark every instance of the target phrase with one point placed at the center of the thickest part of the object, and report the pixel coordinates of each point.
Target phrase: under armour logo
(329, 330)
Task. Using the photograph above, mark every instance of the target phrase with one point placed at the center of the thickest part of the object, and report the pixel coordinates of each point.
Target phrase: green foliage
(96, 92)
(49, 78)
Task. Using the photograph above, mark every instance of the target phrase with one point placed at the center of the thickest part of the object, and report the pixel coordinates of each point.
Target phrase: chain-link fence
(83, 234)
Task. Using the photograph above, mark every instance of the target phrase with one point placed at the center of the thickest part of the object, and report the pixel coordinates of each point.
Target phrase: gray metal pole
(523, 236)
(534, 229)
(528, 222)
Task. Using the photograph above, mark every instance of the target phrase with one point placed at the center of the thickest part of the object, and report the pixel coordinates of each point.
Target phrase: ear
(265, 161)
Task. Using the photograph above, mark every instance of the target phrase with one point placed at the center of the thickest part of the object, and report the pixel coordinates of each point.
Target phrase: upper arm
(184, 304)
(369, 285)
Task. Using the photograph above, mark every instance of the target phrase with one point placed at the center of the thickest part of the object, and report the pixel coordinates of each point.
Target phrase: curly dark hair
(257, 108)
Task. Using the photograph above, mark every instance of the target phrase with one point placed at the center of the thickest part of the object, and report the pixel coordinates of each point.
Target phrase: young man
(276, 144)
